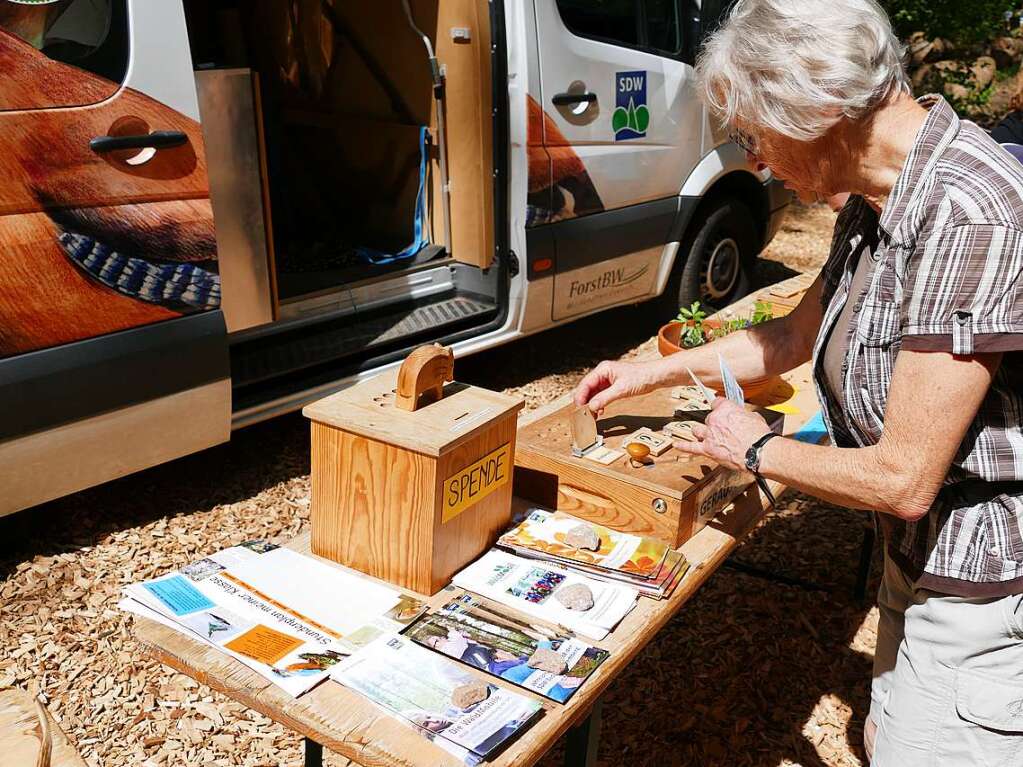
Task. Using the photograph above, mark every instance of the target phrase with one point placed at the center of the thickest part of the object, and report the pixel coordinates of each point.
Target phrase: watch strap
(757, 447)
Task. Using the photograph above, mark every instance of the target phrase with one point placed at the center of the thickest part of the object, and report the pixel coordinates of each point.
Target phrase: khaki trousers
(948, 678)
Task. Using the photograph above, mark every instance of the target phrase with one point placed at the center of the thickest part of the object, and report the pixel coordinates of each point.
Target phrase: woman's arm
(767, 349)
(762, 350)
(934, 396)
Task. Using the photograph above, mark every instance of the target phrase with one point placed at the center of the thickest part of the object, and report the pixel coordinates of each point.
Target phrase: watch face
(751, 458)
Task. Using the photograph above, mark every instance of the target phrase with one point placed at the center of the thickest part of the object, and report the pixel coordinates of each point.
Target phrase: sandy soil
(752, 672)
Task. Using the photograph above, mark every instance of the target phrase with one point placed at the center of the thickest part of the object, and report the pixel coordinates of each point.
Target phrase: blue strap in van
(419, 236)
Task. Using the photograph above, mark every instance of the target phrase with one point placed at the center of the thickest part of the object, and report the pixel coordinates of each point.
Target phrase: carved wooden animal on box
(423, 374)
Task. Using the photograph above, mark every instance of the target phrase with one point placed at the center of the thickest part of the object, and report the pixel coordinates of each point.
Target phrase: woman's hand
(610, 381)
(727, 434)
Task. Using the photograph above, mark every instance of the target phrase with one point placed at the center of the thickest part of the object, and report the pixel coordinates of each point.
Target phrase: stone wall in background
(982, 81)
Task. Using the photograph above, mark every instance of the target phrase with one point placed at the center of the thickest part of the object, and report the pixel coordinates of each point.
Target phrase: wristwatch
(753, 465)
(753, 453)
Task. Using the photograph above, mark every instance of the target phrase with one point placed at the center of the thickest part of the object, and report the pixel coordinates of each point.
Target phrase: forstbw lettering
(606, 280)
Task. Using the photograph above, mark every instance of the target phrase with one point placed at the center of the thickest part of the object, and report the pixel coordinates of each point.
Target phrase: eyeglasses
(743, 140)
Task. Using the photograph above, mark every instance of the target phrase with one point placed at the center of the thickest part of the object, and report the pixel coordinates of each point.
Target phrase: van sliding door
(113, 350)
(619, 119)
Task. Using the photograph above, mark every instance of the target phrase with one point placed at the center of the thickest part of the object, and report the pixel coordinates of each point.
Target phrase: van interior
(356, 154)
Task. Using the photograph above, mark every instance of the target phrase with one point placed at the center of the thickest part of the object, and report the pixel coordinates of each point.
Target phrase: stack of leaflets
(422, 688)
(541, 590)
(469, 630)
(287, 616)
(645, 563)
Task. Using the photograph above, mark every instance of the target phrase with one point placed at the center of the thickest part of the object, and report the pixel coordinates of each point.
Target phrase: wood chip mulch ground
(752, 672)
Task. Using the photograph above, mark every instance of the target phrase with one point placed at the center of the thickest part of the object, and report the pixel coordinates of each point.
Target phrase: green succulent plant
(695, 334)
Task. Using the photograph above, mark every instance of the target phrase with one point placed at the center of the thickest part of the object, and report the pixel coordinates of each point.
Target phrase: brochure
(254, 602)
(356, 608)
(622, 557)
(533, 588)
(467, 630)
(418, 685)
(672, 571)
(545, 532)
(732, 389)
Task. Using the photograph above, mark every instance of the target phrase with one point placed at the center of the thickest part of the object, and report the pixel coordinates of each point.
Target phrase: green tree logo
(633, 118)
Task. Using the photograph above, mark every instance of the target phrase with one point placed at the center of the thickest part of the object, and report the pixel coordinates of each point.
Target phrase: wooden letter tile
(657, 443)
(584, 428)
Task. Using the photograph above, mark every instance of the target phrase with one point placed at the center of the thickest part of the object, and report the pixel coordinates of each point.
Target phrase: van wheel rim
(720, 270)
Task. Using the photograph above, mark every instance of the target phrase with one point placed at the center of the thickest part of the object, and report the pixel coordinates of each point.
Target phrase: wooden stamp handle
(424, 371)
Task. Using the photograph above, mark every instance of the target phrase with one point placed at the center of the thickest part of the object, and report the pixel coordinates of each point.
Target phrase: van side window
(64, 53)
(662, 25)
(699, 19)
(651, 25)
(712, 13)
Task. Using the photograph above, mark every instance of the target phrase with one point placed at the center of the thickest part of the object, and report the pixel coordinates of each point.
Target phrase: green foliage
(693, 314)
(963, 23)
(762, 312)
(1006, 74)
(973, 98)
(696, 334)
(693, 335)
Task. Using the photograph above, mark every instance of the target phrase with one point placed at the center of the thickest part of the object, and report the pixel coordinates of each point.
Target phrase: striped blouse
(948, 276)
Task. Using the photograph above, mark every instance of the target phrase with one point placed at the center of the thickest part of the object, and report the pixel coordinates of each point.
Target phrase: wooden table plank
(345, 722)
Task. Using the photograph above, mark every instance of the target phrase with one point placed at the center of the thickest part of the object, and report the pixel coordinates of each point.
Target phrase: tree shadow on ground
(581, 343)
(256, 458)
(769, 271)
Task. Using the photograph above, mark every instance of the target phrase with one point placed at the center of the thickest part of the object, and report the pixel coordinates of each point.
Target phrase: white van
(215, 211)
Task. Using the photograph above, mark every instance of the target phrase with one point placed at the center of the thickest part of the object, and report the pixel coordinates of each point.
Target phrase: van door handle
(564, 99)
(160, 139)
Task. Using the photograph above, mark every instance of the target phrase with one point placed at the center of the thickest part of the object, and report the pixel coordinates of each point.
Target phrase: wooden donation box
(670, 496)
(411, 495)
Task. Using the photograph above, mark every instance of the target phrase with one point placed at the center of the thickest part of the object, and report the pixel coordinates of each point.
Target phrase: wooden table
(343, 721)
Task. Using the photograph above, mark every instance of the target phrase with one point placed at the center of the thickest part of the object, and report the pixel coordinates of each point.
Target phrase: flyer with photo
(546, 532)
(621, 557)
(254, 602)
(536, 588)
(467, 630)
(420, 687)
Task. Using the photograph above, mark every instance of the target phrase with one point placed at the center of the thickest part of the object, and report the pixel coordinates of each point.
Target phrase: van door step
(432, 316)
(273, 355)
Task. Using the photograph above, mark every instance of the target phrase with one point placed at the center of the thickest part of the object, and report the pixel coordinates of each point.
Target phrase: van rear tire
(715, 260)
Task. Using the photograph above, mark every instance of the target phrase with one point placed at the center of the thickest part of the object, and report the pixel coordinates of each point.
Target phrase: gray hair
(797, 67)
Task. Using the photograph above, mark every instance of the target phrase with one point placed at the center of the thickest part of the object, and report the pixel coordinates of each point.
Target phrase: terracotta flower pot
(668, 342)
(668, 337)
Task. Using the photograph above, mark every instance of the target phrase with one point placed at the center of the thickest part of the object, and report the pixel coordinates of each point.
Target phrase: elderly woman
(914, 327)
